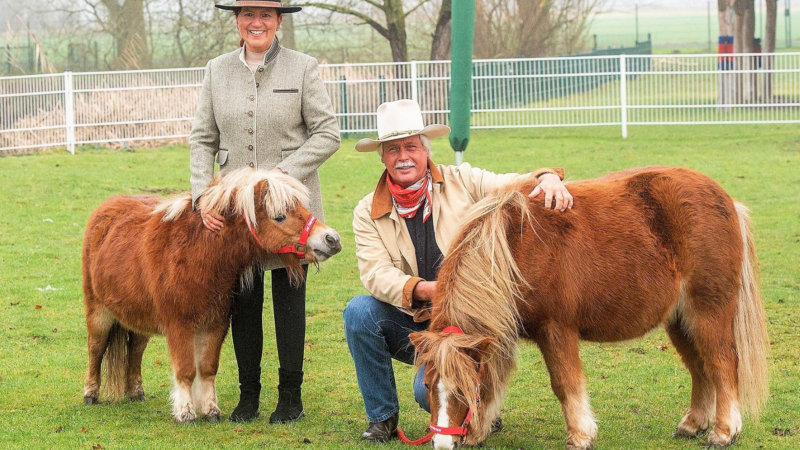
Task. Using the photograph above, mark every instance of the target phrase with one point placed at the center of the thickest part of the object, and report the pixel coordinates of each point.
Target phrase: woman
(264, 106)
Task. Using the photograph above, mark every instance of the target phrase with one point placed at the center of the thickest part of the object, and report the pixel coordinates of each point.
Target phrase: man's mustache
(405, 165)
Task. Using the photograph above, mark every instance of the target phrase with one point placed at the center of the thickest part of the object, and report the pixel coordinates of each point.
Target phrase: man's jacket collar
(382, 200)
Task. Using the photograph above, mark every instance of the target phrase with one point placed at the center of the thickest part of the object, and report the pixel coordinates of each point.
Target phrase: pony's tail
(115, 363)
(750, 328)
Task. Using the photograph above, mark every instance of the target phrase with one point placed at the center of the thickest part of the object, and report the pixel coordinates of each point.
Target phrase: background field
(639, 390)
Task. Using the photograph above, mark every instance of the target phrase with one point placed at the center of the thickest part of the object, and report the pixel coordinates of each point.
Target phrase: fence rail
(157, 106)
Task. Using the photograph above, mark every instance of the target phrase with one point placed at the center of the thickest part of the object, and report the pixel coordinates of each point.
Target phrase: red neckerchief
(408, 200)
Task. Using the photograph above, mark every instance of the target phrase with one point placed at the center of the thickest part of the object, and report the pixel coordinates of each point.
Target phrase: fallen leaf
(306, 441)
(14, 303)
(57, 258)
(238, 430)
(59, 430)
(97, 447)
(47, 220)
(38, 306)
(604, 377)
(83, 430)
(158, 362)
(163, 385)
(55, 330)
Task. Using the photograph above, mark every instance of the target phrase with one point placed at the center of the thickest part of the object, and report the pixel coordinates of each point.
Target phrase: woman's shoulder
(295, 56)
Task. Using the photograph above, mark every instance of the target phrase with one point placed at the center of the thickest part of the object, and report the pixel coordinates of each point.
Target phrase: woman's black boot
(249, 394)
(290, 403)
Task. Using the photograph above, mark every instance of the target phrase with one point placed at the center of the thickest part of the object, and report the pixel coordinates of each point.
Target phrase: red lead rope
(435, 429)
(299, 248)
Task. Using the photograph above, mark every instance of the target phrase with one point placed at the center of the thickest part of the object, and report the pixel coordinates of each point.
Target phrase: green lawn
(639, 391)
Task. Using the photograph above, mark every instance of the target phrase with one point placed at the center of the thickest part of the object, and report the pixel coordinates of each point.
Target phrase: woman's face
(258, 26)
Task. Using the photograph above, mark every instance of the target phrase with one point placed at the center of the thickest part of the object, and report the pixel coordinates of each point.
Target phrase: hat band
(397, 133)
(259, 4)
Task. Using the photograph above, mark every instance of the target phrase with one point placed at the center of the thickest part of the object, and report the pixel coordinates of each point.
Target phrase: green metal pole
(463, 25)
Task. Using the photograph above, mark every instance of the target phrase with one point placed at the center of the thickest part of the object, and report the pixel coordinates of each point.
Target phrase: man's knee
(358, 312)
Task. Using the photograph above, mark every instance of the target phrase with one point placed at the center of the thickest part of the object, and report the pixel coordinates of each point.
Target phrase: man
(401, 231)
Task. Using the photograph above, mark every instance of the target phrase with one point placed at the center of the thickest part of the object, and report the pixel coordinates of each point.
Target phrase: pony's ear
(479, 349)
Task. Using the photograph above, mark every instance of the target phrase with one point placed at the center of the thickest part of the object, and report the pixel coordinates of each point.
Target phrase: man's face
(405, 159)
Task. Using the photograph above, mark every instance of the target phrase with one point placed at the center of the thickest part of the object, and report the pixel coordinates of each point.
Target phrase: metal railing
(157, 106)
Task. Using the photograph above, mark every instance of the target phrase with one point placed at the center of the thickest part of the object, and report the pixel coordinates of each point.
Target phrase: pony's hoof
(212, 416)
(90, 400)
(186, 417)
(716, 441)
(138, 397)
(586, 445)
(684, 433)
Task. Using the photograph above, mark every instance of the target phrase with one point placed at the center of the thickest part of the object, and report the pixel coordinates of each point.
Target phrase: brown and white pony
(640, 248)
(151, 267)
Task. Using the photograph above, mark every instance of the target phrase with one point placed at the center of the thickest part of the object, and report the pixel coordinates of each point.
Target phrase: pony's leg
(180, 342)
(98, 324)
(701, 409)
(559, 348)
(133, 377)
(713, 335)
(207, 350)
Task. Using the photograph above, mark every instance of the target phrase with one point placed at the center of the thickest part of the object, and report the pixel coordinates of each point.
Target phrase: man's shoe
(497, 426)
(382, 431)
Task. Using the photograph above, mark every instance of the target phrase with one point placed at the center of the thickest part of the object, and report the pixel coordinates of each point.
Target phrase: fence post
(344, 104)
(69, 110)
(623, 95)
(414, 81)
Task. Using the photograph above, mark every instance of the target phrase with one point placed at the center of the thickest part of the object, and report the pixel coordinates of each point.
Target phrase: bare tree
(523, 28)
(744, 42)
(392, 27)
(201, 33)
(124, 20)
(769, 47)
(440, 46)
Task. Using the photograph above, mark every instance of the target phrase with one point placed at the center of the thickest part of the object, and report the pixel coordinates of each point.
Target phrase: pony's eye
(427, 386)
(280, 218)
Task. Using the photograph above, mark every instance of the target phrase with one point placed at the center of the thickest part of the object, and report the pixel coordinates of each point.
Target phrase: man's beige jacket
(385, 252)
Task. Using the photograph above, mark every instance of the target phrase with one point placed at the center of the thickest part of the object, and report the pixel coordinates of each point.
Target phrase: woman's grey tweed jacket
(279, 116)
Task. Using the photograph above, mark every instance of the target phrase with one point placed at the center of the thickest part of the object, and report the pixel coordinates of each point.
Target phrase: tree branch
(342, 10)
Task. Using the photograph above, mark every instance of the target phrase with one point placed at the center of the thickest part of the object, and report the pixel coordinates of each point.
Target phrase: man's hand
(211, 219)
(424, 290)
(556, 195)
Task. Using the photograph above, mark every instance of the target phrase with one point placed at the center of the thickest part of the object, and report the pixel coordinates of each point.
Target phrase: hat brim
(431, 131)
(281, 10)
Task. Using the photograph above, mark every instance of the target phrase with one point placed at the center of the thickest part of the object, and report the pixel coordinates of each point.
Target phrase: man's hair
(426, 143)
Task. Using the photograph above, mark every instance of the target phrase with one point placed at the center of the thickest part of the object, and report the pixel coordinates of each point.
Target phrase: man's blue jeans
(377, 332)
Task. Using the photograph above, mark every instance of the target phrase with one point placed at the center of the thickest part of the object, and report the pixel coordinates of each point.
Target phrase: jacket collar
(268, 56)
(382, 200)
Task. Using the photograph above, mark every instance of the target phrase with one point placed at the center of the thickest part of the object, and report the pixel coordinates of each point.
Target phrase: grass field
(639, 389)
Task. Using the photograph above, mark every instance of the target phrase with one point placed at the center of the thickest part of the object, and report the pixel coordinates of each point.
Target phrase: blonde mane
(236, 191)
(479, 289)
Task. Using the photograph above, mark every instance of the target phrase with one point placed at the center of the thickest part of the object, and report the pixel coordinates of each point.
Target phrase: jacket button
(252, 165)
(250, 147)
(250, 130)
(260, 69)
(252, 97)
(258, 84)
(250, 113)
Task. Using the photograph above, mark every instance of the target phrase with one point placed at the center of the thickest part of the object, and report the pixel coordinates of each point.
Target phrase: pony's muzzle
(324, 244)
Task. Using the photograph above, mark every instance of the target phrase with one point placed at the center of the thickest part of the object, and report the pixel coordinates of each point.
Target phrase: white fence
(70, 109)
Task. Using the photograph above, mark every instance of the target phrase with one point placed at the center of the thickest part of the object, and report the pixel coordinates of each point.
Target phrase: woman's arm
(203, 140)
(323, 130)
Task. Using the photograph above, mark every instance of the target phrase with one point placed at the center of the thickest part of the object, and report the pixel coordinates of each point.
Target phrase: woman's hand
(211, 219)
(556, 195)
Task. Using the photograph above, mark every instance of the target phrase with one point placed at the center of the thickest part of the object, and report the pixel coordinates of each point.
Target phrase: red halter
(299, 248)
(448, 431)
